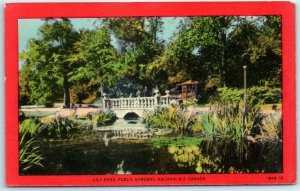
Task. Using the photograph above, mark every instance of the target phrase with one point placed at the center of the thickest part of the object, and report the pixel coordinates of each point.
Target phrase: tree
(138, 44)
(264, 52)
(212, 50)
(49, 59)
(129, 52)
(99, 64)
(24, 89)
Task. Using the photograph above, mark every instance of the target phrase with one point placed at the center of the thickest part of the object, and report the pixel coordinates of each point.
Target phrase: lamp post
(245, 97)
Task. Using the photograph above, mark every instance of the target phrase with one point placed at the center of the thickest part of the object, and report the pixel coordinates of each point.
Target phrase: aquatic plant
(159, 118)
(227, 119)
(59, 127)
(272, 126)
(28, 126)
(175, 118)
(29, 153)
(29, 150)
(104, 118)
(206, 123)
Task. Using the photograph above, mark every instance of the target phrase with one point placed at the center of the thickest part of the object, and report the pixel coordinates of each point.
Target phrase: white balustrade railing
(137, 102)
(126, 103)
(165, 100)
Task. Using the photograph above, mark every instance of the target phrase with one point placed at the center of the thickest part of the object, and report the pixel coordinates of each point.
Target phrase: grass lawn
(38, 113)
(32, 106)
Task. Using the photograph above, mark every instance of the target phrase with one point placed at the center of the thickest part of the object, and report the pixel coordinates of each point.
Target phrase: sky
(28, 28)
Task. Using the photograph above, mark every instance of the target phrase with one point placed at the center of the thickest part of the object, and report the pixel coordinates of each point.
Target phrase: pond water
(100, 152)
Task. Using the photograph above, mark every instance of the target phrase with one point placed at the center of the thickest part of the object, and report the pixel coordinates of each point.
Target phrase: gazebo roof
(189, 82)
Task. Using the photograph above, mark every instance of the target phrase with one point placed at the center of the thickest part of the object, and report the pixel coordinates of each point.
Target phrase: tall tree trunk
(66, 92)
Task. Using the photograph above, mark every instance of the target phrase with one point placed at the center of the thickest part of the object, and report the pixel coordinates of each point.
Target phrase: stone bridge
(137, 105)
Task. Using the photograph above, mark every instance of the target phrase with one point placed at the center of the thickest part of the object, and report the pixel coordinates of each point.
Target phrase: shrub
(272, 126)
(59, 127)
(174, 118)
(228, 95)
(262, 94)
(104, 118)
(159, 118)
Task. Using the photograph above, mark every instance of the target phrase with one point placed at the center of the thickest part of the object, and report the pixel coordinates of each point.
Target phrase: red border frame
(15, 11)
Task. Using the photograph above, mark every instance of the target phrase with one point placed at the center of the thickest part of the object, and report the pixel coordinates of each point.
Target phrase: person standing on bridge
(138, 93)
(145, 92)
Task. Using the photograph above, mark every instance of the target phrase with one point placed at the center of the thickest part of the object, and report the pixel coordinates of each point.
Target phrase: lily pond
(111, 150)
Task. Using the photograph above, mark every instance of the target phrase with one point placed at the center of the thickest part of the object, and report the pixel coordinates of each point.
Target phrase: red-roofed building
(187, 90)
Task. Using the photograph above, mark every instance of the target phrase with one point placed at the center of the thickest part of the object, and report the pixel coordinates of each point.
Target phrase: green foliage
(24, 91)
(59, 127)
(272, 126)
(229, 95)
(29, 150)
(29, 153)
(104, 118)
(266, 94)
(173, 118)
(262, 94)
(38, 113)
(264, 51)
(29, 126)
(36, 87)
(226, 119)
(190, 102)
(98, 61)
(211, 50)
(223, 120)
(139, 44)
(159, 119)
(212, 84)
(191, 156)
(48, 60)
(207, 124)
(253, 115)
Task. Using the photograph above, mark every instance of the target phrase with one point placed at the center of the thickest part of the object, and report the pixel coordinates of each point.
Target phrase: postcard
(134, 94)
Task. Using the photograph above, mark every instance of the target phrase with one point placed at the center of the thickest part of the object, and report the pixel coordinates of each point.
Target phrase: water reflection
(105, 139)
(191, 156)
(98, 153)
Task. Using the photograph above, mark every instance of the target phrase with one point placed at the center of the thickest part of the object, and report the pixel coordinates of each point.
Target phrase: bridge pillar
(168, 97)
(157, 98)
(105, 103)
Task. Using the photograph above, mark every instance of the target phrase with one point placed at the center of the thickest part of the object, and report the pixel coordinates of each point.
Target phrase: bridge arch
(131, 116)
(122, 113)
